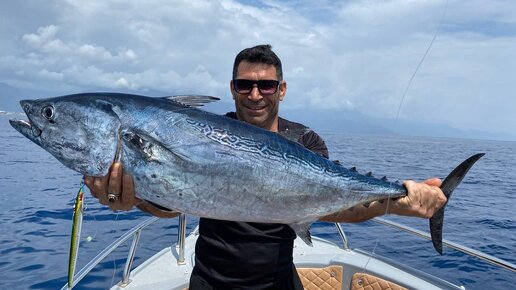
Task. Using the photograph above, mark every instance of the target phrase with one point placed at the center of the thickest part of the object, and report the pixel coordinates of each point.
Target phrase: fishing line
(422, 60)
(114, 260)
(114, 272)
(118, 157)
(90, 238)
(373, 252)
(414, 74)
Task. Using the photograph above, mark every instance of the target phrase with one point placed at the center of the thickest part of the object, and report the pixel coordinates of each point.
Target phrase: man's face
(258, 108)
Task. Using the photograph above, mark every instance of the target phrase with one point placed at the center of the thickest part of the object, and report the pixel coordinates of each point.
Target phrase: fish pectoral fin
(192, 100)
(302, 230)
(148, 146)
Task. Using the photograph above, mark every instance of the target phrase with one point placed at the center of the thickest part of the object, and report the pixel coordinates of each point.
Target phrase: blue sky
(340, 55)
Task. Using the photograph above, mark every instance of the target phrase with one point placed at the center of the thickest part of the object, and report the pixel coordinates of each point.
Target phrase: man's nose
(255, 95)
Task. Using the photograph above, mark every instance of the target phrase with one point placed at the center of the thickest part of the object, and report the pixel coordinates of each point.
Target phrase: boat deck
(162, 271)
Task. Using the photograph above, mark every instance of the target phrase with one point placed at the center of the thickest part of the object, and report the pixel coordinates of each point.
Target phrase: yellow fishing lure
(76, 234)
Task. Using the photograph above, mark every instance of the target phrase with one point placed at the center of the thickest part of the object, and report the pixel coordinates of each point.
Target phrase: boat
(325, 266)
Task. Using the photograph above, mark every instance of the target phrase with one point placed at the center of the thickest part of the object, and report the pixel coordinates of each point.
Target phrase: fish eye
(48, 112)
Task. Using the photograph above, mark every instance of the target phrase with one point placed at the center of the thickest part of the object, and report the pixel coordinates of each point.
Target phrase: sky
(342, 56)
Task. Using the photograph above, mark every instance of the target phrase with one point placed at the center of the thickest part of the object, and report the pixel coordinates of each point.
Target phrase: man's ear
(282, 90)
(232, 89)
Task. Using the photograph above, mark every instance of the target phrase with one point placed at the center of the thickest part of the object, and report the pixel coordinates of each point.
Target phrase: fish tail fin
(449, 184)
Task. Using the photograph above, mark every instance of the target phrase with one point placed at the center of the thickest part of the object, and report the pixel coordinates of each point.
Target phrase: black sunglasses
(265, 87)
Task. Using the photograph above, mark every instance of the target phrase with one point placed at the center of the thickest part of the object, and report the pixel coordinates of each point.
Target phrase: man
(239, 255)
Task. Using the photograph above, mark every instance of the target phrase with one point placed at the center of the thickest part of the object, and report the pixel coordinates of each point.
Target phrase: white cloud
(122, 83)
(128, 54)
(355, 55)
(45, 42)
(93, 52)
(44, 35)
(50, 75)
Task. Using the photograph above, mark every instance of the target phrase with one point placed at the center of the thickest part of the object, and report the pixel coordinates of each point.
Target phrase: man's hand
(117, 183)
(423, 199)
(122, 187)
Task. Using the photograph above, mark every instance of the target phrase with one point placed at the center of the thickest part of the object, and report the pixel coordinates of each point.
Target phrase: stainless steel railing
(181, 237)
(342, 234)
(135, 232)
(469, 251)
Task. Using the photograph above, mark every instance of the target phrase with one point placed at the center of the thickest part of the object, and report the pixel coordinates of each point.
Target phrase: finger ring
(112, 197)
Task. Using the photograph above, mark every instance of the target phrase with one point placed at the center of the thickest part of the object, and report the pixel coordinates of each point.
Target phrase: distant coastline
(6, 113)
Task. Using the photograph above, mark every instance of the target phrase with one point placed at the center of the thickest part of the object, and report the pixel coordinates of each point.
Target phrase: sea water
(37, 195)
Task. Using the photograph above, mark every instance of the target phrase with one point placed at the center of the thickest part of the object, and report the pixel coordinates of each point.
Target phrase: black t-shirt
(241, 255)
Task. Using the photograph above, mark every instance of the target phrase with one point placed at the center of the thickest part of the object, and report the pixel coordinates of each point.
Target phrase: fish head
(80, 132)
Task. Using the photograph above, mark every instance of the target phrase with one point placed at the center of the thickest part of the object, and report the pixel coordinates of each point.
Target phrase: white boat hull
(162, 271)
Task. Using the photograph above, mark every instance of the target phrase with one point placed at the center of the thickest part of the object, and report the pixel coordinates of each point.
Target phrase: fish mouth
(26, 127)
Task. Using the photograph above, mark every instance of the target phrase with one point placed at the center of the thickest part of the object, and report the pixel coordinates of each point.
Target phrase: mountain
(342, 121)
(9, 98)
(336, 121)
(321, 120)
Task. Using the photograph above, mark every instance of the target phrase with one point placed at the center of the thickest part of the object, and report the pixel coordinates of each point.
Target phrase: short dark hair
(259, 54)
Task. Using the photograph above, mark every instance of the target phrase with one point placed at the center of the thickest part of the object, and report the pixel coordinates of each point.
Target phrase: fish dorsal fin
(192, 100)
(302, 230)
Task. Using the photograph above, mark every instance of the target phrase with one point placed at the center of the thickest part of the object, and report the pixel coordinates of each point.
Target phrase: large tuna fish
(203, 164)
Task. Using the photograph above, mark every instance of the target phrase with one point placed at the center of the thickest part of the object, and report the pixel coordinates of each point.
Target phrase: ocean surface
(37, 193)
